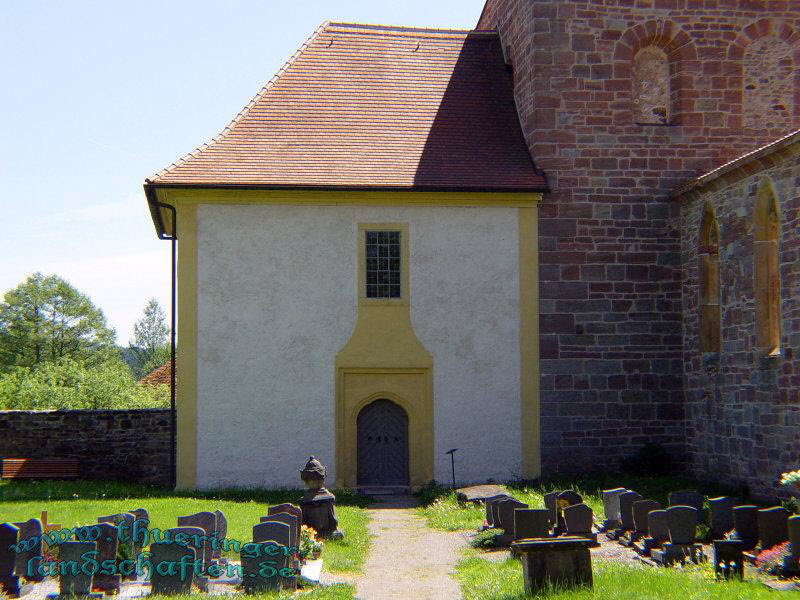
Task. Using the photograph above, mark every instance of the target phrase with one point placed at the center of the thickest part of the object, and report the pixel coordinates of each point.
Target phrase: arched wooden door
(382, 444)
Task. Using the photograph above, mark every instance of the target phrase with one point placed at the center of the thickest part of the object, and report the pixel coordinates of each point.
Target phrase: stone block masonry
(121, 445)
(609, 236)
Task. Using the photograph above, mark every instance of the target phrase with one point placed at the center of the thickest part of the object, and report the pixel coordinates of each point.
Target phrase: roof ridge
(408, 28)
(241, 114)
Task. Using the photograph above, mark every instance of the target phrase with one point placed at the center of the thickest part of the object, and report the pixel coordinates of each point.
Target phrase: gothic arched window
(708, 251)
(766, 269)
(651, 87)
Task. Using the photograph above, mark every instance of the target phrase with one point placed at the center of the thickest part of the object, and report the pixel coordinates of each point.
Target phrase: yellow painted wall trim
(529, 343)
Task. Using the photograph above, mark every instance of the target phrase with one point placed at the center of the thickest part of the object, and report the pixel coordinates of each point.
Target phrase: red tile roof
(159, 376)
(363, 106)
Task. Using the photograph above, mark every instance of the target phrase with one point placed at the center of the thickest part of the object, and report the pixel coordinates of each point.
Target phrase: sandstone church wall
(743, 410)
(610, 247)
(277, 301)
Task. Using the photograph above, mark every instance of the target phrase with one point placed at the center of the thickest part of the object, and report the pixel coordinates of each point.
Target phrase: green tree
(45, 319)
(150, 348)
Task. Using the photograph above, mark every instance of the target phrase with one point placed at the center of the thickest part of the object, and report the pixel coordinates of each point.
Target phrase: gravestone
(207, 521)
(9, 582)
(140, 514)
(563, 562)
(773, 527)
(578, 520)
(274, 531)
(657, 532)
(745, 524)
(563, 500)
(641, 510)
(551, 504)
(505, 512)
(265, 572)
(293, 521)
(721, 516)
(688, 498)
(626, 501)
(133, 547)
(107, 544)
(75, 582)
(222, 533)
(791, 563)
(531, 523)
(164, 583)
(288, 508)
(191, 537)
(28, 561)
(728, 559)
(488, 508)
(611, 509)
(478, 494)
(682, 523)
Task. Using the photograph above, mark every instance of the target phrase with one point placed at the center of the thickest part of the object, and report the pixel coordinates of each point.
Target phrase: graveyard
(661, 541)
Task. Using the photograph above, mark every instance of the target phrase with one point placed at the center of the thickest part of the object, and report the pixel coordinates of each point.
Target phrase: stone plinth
(563, 562)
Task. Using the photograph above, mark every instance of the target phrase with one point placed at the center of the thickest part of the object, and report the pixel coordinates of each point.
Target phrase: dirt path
(407, 559)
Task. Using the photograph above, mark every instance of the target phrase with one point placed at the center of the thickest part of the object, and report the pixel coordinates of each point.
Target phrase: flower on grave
(790, 478)
(74, 495)
(308, 542)
(770, 561)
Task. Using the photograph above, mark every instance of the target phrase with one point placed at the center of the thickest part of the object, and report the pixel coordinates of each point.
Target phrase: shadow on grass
(32, 490)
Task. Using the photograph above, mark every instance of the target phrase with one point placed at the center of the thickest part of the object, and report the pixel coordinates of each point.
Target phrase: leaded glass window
(383, 264)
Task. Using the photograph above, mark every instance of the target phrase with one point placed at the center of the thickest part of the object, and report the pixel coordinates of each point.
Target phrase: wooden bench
(39, 468)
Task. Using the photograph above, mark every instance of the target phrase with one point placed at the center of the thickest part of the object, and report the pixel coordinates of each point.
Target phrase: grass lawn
(76, 503)
(329, 592)
(484, 580)
(442, 511)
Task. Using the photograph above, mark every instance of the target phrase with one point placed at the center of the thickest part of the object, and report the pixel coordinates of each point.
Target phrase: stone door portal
(382, 444)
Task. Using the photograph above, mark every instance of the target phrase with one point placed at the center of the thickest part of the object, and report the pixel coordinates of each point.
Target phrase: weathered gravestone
(166, 581)
(791, 563)
(531, 523)
(478, 494)
(9, 582)
(657, 532)
(682, 523)
(280, 533)
(489, 501)
(222, 533)
(140, 514)
(207, 521)
(130, 545)
(107, 543)
(561, 562)
(191, 537)
(728, 559)
(745, 524)
(626, 501)
(641, 510)
(611, 509)
(265, 568)
(688, 498)
(286, 508)
(563, 500)
(73, 579)
(578, 520)
(551, 504)
(505, 513)
(293, 521)
(720, 516)
(773, 527)
(28, 561)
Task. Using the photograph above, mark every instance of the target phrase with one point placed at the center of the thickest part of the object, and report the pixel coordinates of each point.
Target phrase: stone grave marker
(9, 582)
(657, 532)
(478, 494)
(191, 537)
(75, 582)
(745, 523)
(563, 500)
(773, 527)
(505, 512)
(626, 501)
(611, 509)
(551, 504)
(132, 546)
(257, 571)
(276, 532)
(641, 509)
(287, 508)
(720, 516)
(728, 559)
(531, 523)
(791, 563)
(562, 562)
(682, 523)
(222, 533)
(578, 520)
(28, 561)
(164, 583)
(207, 521)
(107, 550)
(292, 521)
(688, 498)
(489, 501)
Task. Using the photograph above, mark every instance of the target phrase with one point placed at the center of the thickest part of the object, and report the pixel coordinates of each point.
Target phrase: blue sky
(99, 95)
